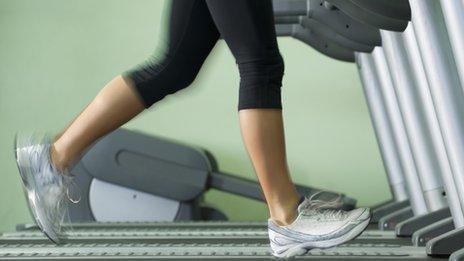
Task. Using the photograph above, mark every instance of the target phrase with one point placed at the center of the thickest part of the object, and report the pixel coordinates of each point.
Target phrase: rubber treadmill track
(169, 236)
(134, 251)
(189, 241)
(178, 224)
(180, 235)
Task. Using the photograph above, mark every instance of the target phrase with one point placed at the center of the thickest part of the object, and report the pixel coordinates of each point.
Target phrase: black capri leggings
(192, 28)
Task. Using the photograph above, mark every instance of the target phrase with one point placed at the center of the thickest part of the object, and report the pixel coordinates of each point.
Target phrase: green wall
(56, 55)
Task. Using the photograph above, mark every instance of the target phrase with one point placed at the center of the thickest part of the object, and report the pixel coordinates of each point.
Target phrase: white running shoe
(317, 226)
(45, 187)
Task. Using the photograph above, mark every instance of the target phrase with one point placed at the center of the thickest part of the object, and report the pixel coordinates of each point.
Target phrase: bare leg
(114, 105)
(263, 134)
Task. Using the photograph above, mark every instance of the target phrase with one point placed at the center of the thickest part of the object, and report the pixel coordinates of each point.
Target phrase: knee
(156, 78)
(261, 82)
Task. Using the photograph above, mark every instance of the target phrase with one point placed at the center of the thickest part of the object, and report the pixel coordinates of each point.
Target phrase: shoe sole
(303, 248)
(27, 178)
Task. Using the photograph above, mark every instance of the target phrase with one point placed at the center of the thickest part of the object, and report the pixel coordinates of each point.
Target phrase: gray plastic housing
(144, 163)
(369, 17)
(397, 9)
(149, 164)
(425, 234)
(333, 18)
(386, 209)
(325, 46)
(343, 24)
(408, 227)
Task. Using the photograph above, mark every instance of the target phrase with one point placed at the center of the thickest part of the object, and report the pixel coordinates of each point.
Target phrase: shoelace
(70, 182)
(328, 209)
(68, 179)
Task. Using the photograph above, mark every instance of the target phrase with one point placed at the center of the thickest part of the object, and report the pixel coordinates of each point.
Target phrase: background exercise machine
(155, 179)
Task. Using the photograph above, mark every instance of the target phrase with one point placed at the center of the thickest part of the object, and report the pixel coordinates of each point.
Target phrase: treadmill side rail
(409, 226)
(424, 235)
(446, 244)
(390, 221)
(379, 212)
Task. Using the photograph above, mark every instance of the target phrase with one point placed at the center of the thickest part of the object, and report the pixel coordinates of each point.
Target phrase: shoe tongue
(306, 205)
(316, 204)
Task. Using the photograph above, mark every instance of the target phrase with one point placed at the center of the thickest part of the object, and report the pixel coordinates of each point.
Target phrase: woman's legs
(252, 40)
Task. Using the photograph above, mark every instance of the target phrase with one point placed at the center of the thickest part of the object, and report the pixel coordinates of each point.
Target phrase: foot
(316, 227)
(45, 187)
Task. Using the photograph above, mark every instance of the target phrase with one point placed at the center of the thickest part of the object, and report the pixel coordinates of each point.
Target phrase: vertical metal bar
(444, 84)
(453, 11)
(420, 78)
(414, 119)
(382, 128)
(407, 161)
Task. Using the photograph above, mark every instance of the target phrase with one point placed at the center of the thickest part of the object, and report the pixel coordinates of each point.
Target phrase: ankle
(285, 219)
(58, 160)
(284, 214)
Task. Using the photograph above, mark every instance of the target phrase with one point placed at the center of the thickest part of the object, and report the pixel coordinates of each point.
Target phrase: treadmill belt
(181, 224)
(188, 241)
(135, 251)
(180, 235)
